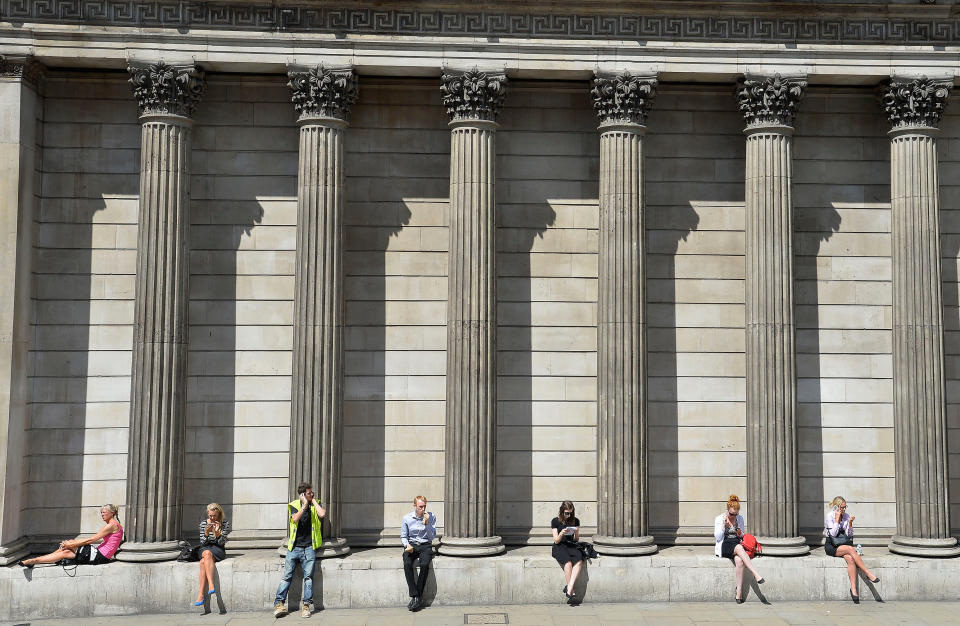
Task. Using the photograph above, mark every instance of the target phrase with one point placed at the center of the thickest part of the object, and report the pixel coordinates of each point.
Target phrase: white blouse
(719, 529)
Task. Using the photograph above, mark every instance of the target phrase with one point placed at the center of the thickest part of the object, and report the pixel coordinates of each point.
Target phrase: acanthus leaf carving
(323, 92)
(769, 100)
(167, 89)
(916, 102)
(23, 67)
(624, 98)
(473, 94)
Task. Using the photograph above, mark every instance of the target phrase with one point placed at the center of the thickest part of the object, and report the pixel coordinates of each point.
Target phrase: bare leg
(567, 569)
(851, 572)
(53, 557)
(846, 551)
(207, 563)
(739, 551)
(203, 579)
(738, 562)
(573, 576)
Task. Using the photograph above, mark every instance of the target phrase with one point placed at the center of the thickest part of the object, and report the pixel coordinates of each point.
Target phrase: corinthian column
(166, 96)
(323, 99)
(473, 100)
(769, 105)
(622, 103)
(913, 108)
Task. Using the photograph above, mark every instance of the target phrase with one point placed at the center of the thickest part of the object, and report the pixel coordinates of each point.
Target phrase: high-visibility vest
(314, 526)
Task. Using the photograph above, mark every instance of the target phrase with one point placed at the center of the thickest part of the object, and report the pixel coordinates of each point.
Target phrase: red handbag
(751, 546)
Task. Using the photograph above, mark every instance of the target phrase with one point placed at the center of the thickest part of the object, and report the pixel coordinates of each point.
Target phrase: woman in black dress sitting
(566, 534)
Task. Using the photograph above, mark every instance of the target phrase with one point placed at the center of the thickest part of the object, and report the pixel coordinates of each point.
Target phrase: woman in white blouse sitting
(838, 527)
(728, 530)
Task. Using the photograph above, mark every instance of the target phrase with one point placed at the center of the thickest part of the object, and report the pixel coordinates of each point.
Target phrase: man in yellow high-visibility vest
(304, 515)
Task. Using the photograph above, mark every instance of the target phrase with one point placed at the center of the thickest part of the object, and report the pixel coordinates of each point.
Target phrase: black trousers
(424, 554)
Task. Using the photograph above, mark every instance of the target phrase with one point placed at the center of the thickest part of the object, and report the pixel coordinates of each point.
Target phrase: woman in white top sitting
(838, 527)
(728, 530)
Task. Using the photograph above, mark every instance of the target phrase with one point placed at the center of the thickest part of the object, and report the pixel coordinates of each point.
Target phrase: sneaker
(306, 609)
(279, 609)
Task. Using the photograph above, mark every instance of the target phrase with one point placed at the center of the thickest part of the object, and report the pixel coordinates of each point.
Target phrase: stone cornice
(323, 92)
(917, 102)
(166, 89)
(769, 100)
(623, 98)
(22, 67)
(787, 22)
(473, 95)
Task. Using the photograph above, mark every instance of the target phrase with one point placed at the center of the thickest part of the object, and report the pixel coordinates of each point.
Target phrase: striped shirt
(212, 539)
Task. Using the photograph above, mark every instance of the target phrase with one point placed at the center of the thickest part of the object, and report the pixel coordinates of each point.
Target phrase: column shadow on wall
(372, 239)
(515, 362)
(210, 475)
(64, 351)
(663, 401)
(949, 253)
(812, 227)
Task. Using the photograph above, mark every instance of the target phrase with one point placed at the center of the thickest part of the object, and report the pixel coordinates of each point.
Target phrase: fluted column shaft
(769, 105)
(159, 386)
(323, 98)
(470, 481)
(919, 394)
(167, 96)
(622, 526)
(771, 353)
(316, 424)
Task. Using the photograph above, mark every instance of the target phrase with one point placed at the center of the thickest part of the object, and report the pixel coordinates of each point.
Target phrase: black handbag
(188, 553)
(840, 540)
(589, 552)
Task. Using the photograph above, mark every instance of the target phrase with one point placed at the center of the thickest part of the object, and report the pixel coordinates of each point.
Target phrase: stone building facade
(500, 254)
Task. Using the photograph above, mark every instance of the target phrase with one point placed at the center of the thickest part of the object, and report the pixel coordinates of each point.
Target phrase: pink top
(108, 547)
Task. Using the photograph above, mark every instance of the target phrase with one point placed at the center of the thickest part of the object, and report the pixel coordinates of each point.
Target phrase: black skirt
(218, 552)
(566, 553)
(727, 547)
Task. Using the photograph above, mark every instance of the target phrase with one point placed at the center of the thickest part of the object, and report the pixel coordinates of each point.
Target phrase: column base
(470, 546)
(917, 546)
(14, 551)
(784, 546)
(147, 551)
(624, 546)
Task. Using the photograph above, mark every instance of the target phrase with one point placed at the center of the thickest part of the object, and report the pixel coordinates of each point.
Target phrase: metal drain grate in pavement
(485, 618)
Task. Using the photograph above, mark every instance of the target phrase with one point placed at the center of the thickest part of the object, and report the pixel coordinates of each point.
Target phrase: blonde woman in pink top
(81, 550)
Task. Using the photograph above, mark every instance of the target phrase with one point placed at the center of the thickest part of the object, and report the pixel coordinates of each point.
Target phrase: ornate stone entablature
(322, 92)
(647, 21)
(914, 102)
(623, 99)
(769, 100)
(473, 95)
(22, 67)
(166, 89)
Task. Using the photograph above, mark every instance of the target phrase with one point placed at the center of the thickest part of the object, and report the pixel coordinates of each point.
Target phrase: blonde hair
(836, 502)
(733, 502)
(112, 508)
(419, 498)
(213, 506)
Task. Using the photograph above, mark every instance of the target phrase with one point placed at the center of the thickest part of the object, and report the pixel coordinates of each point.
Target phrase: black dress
(566, 551)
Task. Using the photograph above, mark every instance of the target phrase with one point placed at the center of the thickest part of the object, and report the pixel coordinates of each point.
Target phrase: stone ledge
(527, 575)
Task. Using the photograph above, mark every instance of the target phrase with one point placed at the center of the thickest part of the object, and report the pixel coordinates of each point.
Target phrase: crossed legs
(741, 561)
(53, 557)
(206, 573)
(849, 554)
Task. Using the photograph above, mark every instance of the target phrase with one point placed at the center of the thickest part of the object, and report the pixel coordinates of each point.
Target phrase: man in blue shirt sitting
(417, 532)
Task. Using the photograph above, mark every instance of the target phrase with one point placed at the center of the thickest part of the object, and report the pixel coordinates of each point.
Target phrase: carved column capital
(473, 95)
(623, 99)
(166, 89)
(769, 100)
(914, 102)
(323, 92)
(23, 67)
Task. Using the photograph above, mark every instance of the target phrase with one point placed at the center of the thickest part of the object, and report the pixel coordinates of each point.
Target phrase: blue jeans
(304, 556)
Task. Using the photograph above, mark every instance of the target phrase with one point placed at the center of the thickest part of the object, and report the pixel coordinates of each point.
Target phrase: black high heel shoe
(875, 580)
(856, 599)
(739, 600)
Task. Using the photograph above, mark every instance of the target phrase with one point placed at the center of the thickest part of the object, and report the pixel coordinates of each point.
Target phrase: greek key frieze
(292, 17)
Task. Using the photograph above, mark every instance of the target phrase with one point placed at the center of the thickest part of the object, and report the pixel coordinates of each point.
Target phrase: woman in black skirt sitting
(838, 527)
(566, 534)
(728, 530)
(213, 537)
